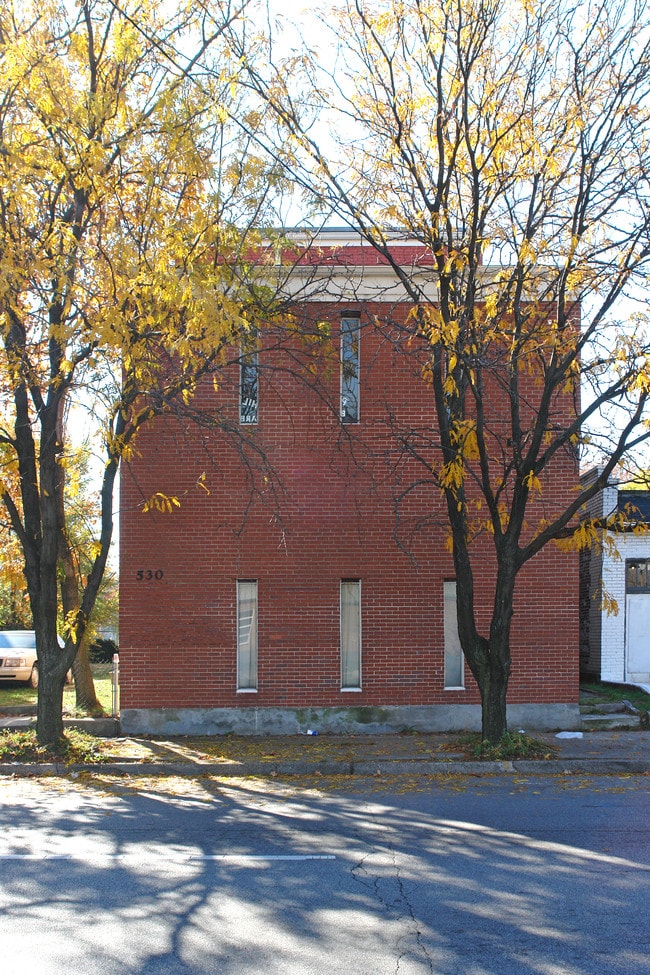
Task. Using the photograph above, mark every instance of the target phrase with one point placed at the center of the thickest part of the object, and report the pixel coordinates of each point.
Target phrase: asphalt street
(512, 875)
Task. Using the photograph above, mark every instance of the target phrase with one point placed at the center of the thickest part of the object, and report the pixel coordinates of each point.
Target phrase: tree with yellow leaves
(126, 203)
(512, 140)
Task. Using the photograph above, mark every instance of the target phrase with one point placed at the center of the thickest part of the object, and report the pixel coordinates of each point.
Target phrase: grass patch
(13, 694)
(76, 747)
(599, 693)
(515, 745)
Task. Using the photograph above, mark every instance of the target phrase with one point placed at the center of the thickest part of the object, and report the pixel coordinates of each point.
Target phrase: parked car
(18, 656)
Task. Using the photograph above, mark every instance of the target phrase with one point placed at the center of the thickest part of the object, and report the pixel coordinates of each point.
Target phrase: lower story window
(351, 634)
(637, 575)
(454, 661)
(246, 635)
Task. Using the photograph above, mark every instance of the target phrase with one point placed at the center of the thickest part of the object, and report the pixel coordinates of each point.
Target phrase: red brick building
(304, 582)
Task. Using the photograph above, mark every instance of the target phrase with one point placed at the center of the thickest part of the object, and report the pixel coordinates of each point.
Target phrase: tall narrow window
(454, 660)
(249, 382)
(351, 634)
(350, 331)
(246, 636)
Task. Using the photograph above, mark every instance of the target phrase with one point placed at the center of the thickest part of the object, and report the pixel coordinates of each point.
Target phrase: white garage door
(637, 620)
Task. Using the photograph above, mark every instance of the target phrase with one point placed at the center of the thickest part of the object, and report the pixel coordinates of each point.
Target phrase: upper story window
(249, 383)
(636, 504)
(350, 332)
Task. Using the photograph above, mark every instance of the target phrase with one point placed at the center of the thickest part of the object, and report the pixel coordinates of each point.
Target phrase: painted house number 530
(149, 575)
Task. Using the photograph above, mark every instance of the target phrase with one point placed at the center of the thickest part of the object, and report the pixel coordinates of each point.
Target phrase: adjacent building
(615, 590)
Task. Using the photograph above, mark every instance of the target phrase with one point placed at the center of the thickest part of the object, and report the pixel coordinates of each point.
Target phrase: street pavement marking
(91, 854)
(261, 856)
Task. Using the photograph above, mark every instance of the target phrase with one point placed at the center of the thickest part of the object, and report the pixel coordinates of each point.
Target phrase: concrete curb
(366, 769)
(107, 727)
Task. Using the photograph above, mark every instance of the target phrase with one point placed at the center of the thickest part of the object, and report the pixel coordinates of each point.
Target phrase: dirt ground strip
(314, 748)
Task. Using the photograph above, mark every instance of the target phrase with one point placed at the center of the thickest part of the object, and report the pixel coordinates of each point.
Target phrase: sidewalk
(595, 753)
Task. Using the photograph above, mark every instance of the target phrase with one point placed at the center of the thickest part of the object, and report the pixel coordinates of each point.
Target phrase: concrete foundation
(339, 721)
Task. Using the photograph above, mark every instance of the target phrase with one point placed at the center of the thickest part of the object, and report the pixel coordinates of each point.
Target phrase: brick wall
(299, 502)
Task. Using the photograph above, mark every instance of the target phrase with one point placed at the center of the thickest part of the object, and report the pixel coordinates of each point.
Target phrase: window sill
(351, 690)
(247, 690)
(454, 688)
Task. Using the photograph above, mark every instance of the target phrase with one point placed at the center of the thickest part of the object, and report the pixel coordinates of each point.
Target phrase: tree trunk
(488, 657)
(84, 685)
(86, 698)
(496, 672)
(494, 722)
(49, 711)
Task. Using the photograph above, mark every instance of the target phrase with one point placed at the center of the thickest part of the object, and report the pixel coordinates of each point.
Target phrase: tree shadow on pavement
(174, 876)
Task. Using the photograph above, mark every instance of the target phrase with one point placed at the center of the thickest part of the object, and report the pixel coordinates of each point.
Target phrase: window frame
(249, 377)
(348, 626)
(453, 656)
(350, 383)
(251, 684)
(636, 586)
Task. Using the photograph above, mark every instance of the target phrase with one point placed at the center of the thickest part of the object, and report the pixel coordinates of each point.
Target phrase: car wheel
(33, 677)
